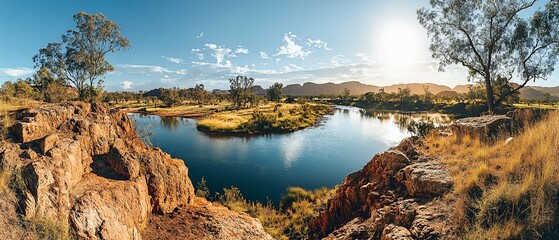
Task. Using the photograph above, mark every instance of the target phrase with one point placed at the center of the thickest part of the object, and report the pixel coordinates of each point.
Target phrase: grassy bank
(268, 118)
(289, 220)
(505, 191)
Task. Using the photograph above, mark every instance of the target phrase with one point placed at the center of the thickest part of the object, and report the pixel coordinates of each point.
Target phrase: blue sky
(183, 43)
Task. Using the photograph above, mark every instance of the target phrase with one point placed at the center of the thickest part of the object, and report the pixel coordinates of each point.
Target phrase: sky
(177, 43)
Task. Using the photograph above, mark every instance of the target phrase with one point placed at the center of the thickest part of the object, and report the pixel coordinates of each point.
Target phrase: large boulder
(109, 209)
(426, 179)
(485, 127)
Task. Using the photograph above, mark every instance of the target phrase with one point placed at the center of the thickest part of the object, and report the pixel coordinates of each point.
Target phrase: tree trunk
(489, 94)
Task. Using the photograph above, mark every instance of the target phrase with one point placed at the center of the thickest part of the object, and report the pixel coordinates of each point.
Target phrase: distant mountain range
(358, 88)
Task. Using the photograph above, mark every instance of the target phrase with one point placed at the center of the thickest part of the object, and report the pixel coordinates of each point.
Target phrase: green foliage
(202, 189)
(420, 127)
(7, 90)
(170, 97)
(275, 92)
(241, 91)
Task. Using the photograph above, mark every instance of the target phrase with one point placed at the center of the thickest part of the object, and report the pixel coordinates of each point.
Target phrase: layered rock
(386, 199)
(82, 165)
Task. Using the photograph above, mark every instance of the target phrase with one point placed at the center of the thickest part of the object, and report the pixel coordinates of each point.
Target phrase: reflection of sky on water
(291, 149)
(264, 166)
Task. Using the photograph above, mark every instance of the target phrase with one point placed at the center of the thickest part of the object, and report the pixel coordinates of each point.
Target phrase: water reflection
(264, 166)
(170, 122)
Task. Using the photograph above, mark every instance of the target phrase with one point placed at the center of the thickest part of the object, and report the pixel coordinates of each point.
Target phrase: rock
(485, 127)
(508, 140)
(395, 196)
(92, 172)
(204, 220)
(360, 192)
(407, 147)
(47, 143)
(425, 179)
(434, 221)
(393, 232)
(109, 209)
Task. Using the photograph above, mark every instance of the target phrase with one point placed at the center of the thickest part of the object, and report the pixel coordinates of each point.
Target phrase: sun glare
(397, 44)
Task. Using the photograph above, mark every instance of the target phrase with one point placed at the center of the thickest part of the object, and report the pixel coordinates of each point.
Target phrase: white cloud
(126, 85)
(182, 72)
(292, 67)
(264, 55)
(172, 59)
(16, 72)
(145, 69)
(218, 52)
(201, 35)
(196, 50)
(340, 60)
(318, 44)
(242, 50)
(292, 49)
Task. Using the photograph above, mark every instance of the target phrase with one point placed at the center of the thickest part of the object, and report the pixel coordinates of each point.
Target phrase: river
(262, 167)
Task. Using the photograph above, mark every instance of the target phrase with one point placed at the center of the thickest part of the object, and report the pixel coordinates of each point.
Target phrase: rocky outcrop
(205, 220)
(83, 165)
(387, 199)
(485, 127)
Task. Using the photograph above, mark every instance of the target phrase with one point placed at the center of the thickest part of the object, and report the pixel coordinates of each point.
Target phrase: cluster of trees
(241, 93)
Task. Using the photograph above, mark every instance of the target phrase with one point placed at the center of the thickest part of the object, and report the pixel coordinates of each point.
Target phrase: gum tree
(494, 42)
(80, 59)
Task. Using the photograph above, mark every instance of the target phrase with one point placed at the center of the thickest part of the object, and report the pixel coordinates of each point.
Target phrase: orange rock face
(84, 166)
(388, 199)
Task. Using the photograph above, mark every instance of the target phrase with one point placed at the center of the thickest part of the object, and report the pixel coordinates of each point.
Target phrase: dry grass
(17, 103)
(505, 191)
(271, 117)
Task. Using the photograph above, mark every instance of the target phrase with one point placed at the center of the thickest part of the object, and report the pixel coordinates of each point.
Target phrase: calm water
(262, 167)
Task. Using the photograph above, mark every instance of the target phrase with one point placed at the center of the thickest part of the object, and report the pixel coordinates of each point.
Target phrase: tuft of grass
(505, 191)
(48, 229)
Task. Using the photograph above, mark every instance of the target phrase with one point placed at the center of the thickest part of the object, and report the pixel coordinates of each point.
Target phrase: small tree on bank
(275, 91)
(82, 64)
(493, 42)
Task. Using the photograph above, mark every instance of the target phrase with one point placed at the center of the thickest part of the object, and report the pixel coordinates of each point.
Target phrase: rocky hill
(83, 167)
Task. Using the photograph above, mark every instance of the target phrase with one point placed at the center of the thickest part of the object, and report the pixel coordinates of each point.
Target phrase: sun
(397, 44)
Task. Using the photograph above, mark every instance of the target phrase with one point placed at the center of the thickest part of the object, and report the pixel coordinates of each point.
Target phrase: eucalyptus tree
(493, 40)
(82, 63)
(275, 91)
(241, 90)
